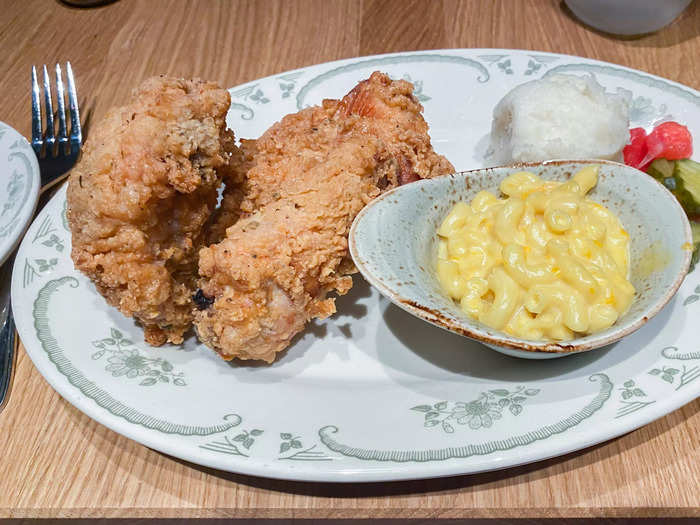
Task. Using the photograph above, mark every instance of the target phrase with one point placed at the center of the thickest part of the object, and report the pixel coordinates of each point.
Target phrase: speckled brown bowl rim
(501, 339)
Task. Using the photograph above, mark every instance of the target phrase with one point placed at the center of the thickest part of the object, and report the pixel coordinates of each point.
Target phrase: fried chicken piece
(142, 194)
(378, 108)
(306, 179)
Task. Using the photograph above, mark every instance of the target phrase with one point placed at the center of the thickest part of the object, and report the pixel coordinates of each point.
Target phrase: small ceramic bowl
(394, 245)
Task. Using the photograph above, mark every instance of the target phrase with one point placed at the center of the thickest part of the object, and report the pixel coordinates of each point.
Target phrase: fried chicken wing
(142, 194)
(306, 179)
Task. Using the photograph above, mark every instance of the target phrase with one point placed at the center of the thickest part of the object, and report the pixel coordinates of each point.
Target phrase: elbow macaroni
(545, 263)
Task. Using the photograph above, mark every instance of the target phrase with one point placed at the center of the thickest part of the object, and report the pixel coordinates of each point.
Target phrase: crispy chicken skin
(306, 179)
(142, 194)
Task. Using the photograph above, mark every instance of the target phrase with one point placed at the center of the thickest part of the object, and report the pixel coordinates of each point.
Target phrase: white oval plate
(372, 393)
(19, 188)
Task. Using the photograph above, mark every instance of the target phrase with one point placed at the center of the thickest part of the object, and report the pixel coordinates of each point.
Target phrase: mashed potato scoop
(562, 116)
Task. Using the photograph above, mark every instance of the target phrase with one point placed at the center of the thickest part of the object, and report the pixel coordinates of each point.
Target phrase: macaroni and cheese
(545, 263)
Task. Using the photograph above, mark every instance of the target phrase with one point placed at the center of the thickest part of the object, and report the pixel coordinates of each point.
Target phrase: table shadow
(437, 363)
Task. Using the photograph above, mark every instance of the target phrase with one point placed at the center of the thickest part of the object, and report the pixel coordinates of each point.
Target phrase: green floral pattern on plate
(90, 389)
(292, 449)
(695, 296)
(328, 438)
(479, 413)
(125, 360)
(504, 63)
(632, 398)
(13, 190)
(669, 374)
(417, 88)
(18, 187)
(252, 93)
(287, 83)
(46, 235)
(643, 112)
(233, 445)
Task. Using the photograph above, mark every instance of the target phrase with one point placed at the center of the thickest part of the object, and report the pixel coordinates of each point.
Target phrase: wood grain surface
(56, 462)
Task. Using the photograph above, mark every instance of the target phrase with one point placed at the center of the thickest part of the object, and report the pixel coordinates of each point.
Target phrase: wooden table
(56, 462)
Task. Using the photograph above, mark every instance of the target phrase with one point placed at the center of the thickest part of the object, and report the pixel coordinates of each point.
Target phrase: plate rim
(28, 206)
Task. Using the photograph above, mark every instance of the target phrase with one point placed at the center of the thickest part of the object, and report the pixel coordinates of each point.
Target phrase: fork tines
(44, 140)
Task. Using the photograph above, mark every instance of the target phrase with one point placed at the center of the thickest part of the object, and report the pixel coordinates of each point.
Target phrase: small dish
(394, 245)
(19, 188)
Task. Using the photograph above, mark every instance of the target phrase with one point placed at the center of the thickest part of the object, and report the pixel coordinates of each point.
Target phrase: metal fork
(56, 156)
(57, 152)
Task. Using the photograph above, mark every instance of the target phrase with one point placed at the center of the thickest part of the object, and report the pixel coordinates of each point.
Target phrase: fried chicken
(142, 199)
(142, 194)
(306, 179)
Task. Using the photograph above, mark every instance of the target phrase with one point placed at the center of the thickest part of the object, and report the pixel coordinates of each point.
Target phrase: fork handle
(7, 332)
